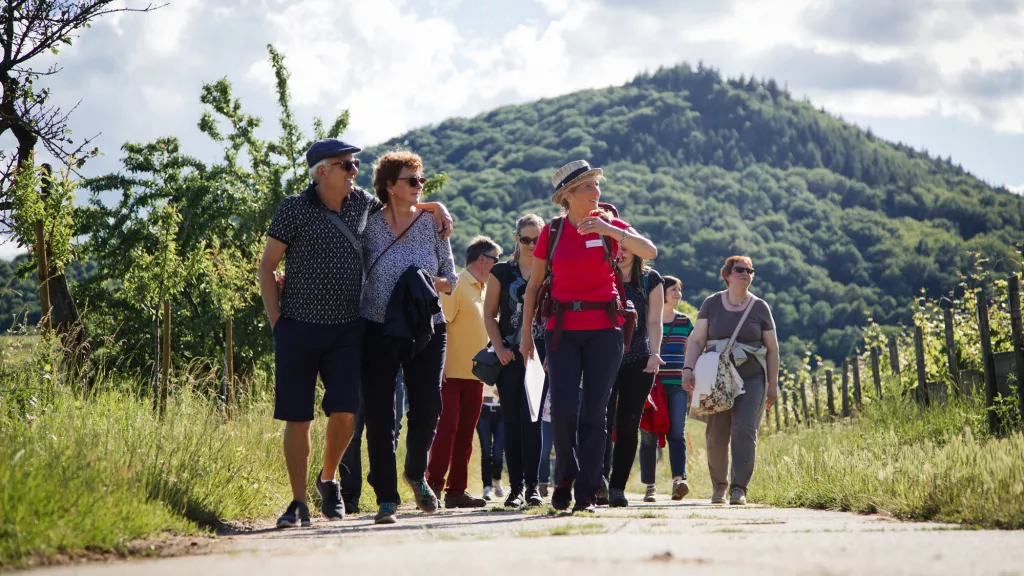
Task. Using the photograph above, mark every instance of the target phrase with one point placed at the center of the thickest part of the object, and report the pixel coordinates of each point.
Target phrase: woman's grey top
(421, 247)
(722, 322)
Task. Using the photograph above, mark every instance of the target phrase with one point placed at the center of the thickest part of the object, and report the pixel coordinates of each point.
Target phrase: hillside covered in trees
(842, 226)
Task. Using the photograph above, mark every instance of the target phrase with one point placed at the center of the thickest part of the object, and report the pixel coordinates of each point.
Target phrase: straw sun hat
(570, 174)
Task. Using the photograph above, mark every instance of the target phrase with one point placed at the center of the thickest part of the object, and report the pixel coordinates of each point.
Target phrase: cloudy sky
(945, 75)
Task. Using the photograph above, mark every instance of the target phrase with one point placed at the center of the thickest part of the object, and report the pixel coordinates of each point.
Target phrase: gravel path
(691, 537)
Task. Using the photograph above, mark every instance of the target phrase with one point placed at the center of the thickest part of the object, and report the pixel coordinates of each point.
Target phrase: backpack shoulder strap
(555, 232)
(609, 256)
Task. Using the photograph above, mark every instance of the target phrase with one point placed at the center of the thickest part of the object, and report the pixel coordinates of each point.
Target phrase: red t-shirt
(581, 272)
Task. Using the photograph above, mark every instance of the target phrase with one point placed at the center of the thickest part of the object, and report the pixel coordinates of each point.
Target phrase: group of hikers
(370, 302)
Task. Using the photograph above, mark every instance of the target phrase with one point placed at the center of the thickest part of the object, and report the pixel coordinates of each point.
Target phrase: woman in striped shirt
(676, 329)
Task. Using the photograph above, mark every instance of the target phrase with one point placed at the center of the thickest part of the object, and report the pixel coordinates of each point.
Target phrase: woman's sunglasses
(413, 180)
(743, 270)
(527, 240)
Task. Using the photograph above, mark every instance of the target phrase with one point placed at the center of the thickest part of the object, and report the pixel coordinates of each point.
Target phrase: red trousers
(461, 401)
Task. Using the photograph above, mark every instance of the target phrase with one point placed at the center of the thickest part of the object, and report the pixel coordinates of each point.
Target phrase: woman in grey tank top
(756, 355)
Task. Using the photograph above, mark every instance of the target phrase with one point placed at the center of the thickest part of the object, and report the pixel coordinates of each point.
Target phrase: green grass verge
(95, 474)
(937, 464)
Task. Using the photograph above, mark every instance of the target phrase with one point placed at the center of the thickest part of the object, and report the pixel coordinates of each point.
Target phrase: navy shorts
(302, 350)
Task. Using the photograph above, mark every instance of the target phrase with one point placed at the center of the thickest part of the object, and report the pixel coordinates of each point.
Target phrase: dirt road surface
(689, 537)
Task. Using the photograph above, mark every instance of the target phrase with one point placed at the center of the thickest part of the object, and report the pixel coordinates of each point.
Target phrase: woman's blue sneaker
(386, 513)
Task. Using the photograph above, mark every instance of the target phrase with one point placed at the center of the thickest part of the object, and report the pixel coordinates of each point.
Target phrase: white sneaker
(487, 493)
(498, 490)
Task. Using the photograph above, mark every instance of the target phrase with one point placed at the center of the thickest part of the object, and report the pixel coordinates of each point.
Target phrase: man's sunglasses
(491, 258)
(743, 270)
(527, 240)
(347, 165)
(413, 180)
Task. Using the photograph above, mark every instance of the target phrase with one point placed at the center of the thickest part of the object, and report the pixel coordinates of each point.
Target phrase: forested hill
(842, 226)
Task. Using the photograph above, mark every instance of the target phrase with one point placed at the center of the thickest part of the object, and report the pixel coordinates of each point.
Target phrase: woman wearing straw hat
(584, 324)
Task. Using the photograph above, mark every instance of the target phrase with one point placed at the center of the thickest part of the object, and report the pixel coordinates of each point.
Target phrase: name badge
(595, 243)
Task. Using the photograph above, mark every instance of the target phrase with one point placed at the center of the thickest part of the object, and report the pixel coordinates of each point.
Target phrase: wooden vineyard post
(43, 271)
(831, 393)
(894, 357)
(817, 393)
(856, 381)
(846, 388)
(785, 413)
(775, 407)
(229, 364)
(165, 368)
(803, 402)
(922, 376)
(876, 372)
(988, 361)
(1018, 337)
(954, 368)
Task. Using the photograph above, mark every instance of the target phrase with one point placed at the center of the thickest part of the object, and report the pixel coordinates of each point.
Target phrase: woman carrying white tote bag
(717, 383)
(735, 347)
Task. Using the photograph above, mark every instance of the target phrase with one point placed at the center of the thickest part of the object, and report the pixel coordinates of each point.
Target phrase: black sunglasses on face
(491, 258)
(743, 270)
(413, 180)
(527, 240)
(347, 165)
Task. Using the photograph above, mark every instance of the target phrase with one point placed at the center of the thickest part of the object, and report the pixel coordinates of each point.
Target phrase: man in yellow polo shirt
(462, 395)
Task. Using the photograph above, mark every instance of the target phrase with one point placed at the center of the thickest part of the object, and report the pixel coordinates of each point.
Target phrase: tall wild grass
(937, 463)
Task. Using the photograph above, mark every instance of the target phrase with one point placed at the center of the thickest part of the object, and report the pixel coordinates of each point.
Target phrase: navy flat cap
(328, 148)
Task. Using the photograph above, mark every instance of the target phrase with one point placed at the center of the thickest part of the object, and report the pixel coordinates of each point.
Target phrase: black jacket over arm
(408, 322)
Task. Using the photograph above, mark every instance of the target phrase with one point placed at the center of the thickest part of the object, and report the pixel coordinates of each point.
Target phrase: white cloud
(1019, 189)
(8, 250)
(399, 64)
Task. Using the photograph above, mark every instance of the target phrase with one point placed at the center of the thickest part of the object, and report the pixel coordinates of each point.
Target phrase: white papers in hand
(534, 383)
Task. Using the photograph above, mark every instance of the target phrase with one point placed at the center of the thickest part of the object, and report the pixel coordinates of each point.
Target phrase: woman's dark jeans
(522, 434)
(590, 357)
(625, 407)
(423, 389)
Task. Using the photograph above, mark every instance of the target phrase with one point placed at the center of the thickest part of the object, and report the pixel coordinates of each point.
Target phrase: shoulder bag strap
(393, 242)
(344, 229)
(736, 332)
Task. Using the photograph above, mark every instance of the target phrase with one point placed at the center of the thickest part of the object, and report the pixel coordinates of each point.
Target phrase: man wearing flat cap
(315, 318)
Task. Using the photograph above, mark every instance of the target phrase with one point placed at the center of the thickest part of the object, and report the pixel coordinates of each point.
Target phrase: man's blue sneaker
(330, 495)
(297, 514)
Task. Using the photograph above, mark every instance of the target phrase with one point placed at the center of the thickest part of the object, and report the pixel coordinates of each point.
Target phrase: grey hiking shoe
(737, 497)
(651, 494)
(718, 496)
(426, 500)
(462, 500)
(386, 513)
(297, 514)
(680, 489)
(331, 504)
